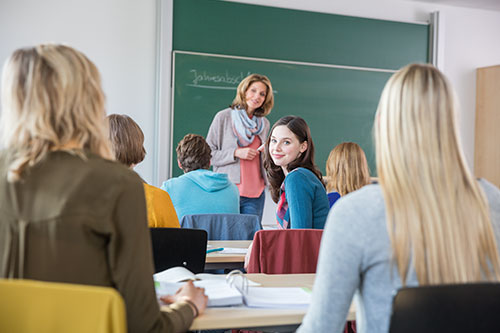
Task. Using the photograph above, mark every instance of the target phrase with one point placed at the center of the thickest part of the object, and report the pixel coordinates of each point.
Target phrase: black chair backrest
(179, 247)
(447, 308)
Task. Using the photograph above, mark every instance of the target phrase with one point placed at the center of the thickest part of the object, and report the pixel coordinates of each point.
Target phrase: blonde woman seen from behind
(69, 212)
(127, 140)
(428, 222)
(346, 170)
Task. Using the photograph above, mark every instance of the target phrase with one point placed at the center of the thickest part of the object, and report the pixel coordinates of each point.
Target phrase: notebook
(233, 289)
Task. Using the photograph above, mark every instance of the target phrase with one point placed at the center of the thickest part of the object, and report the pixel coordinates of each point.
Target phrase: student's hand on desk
(245, 153)
(190, 293)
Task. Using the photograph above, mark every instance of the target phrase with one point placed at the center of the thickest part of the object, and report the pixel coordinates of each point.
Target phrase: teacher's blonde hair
(240, 100)
(437, 214)
(51, 97)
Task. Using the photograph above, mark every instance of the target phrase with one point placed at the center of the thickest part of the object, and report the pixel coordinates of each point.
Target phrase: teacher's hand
(195, 296)
(246, 153)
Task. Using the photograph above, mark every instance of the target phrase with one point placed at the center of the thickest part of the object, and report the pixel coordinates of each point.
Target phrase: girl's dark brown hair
(275, 174)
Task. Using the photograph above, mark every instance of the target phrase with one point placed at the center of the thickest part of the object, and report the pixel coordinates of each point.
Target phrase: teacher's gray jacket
(223, 143)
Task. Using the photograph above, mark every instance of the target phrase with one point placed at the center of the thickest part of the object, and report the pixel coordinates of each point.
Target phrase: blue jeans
(254, 206)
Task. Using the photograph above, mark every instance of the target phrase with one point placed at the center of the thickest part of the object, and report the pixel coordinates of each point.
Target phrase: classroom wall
(118, 35)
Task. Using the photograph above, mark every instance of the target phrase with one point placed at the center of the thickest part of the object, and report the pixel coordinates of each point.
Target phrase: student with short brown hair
(193, 153)
(127, 141)
(199, 190)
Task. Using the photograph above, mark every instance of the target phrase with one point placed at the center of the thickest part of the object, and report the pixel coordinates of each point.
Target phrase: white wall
(119, 36)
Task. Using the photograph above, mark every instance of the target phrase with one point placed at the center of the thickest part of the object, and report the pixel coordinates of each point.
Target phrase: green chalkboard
(338, 104)
(238, 29)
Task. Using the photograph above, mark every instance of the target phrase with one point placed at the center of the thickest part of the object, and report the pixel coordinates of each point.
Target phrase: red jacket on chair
(285, 251)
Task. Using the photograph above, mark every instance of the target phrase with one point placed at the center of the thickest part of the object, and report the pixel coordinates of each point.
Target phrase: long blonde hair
(437, 214)
(346, 168)
(51, 97)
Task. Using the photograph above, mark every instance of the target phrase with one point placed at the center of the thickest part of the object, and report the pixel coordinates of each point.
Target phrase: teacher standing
(235, 135)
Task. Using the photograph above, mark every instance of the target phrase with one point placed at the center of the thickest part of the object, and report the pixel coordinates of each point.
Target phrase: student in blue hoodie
(199, 190)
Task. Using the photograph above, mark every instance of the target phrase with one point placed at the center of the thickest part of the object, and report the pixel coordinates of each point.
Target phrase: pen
(215, 250)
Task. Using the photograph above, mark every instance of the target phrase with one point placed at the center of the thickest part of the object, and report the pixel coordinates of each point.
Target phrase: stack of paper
(260, 297)
(220, 293)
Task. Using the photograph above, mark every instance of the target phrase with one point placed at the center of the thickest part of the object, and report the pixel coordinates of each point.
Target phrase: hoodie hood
(208, 180)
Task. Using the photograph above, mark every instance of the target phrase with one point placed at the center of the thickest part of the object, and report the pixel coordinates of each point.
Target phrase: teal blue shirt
(203, 192)
(307, 200)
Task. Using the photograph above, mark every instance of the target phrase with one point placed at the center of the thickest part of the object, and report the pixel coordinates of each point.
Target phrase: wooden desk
(217, 260)
(260, 318)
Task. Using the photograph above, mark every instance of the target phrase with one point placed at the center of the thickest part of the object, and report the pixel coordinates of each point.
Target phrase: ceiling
(478, 4)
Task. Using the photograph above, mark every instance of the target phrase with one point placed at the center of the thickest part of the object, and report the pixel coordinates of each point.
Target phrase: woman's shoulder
(223, 114)
(302, 173)
(333, 195)
(303, 177)
(221, 120)
(107, 172)
(155, 191)
(491, 191)
(493, 197)
(363, 209)
(367, 192)
(367, 198)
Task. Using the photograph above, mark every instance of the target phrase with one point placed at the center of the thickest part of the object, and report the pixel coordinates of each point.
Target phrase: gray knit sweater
(222, 141)
(354, 260)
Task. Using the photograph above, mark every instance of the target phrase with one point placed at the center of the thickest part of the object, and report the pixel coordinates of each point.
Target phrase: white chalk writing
(202, 78)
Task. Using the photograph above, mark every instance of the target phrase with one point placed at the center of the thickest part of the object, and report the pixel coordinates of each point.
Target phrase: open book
(231, 289)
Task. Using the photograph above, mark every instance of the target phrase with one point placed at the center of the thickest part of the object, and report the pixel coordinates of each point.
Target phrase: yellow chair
(33, 306)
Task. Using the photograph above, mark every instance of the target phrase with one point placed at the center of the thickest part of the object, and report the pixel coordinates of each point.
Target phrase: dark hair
(127, 139)
(193, 153)
(275, 174)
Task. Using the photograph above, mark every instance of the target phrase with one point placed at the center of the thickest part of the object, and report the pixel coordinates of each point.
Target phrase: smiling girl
(295, 181)
(235, 135)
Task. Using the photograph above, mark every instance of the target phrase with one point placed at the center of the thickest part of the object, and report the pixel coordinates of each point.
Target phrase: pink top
(251, 184)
